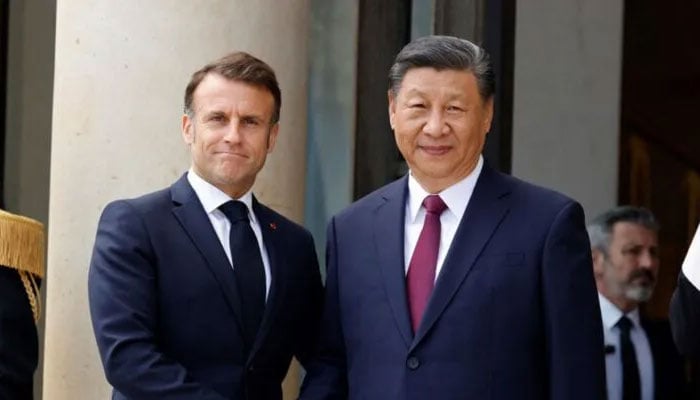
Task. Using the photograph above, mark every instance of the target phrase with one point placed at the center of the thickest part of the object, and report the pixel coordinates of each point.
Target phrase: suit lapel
(389, 238)
(273, 246)
(486, 210)
(189, 212)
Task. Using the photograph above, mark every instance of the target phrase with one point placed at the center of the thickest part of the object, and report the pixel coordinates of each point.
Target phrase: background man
(456, 281)
(641, 361)
(198, 291)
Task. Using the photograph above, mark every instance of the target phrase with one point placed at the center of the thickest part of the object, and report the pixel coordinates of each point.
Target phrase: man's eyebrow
(214, 113)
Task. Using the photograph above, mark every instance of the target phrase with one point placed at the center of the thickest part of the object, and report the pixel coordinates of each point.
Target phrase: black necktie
(630, 370)
(247, 267)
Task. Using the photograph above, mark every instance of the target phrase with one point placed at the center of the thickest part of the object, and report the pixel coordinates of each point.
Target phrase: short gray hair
(441, 53)
(600, 228)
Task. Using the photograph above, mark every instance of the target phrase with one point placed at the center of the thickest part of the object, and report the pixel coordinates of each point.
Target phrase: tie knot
(235, 211)
(624, 324)
(434, 205)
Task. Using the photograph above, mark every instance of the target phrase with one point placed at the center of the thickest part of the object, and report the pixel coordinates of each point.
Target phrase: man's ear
(598, 262)
(187, 129)
(489, 115)
(272, 137)
(392, 107)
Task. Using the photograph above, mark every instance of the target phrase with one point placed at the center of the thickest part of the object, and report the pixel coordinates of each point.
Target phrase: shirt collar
(611, 314)
(212, 197)
(456, 197)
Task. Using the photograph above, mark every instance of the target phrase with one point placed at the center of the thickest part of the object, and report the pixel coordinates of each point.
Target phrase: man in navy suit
(198, 291)
(641, 361)
(456, 281)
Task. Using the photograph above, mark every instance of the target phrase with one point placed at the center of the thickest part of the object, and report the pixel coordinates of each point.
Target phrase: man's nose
(436, 124)
(232, 134)
(648, 260)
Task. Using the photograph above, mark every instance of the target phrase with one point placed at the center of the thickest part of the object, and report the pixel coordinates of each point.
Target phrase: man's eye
(416, 105)
(250, 122)
(454, 109)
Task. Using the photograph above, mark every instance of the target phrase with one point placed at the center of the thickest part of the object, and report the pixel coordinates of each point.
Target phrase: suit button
(413, 363)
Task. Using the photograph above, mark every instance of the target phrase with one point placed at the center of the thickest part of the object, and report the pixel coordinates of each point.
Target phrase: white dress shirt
(691, 263)
(211, 198)
(456, 197)
(613, 361)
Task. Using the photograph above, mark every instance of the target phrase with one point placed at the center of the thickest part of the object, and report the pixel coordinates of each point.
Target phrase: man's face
(628, 273)
(440, 123)
(231, 132)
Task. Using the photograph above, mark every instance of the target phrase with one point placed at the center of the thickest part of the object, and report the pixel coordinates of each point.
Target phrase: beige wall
(566, 106)
(121, 69)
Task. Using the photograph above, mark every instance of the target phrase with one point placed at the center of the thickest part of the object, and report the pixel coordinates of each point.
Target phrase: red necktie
(421, 269)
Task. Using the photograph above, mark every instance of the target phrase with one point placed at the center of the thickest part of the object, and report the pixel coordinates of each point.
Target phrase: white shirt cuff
(691, 264)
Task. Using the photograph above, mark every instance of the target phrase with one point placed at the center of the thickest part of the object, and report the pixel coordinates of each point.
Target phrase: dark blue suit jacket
(514, 313)
(165, 308)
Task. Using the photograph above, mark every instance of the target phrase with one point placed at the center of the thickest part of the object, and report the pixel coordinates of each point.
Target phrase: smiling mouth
(434, 150)
(231, 154)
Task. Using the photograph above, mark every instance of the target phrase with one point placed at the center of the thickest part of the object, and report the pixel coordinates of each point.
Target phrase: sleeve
(122, 286)
(308, 340)
(326, 377)
(691, 263)
(685, 303)
(18, 338)
(574, 332)
(684, 314)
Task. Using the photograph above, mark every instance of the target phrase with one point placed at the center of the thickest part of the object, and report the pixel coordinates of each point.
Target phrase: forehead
(216, 91)
(426, 80)
(630, 232)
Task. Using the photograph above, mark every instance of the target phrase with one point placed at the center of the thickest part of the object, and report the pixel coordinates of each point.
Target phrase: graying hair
(600, 228)
(444, 53)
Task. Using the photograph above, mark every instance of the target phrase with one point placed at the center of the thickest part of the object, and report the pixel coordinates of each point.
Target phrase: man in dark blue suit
(456, 281)
(198, 291)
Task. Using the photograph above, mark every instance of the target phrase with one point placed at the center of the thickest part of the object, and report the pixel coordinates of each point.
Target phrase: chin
(639, 294)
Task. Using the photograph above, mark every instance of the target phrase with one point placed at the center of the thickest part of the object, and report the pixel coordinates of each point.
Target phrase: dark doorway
(660, 138)
(659, 135)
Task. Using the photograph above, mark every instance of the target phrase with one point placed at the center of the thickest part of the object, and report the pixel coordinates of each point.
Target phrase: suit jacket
(19, 346)
(684, 315)
(165, 308)
(669, 372)
(514, 313)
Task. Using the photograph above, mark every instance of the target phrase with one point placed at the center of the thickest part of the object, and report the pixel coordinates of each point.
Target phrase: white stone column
(120, 72)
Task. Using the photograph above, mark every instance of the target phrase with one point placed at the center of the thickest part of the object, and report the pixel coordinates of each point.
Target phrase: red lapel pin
(273, 226)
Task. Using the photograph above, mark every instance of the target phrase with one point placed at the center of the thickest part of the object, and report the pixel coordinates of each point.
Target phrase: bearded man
(641, 362)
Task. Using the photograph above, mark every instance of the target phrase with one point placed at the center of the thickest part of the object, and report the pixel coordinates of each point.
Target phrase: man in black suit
(198, 291)
(641, 360)
(685, 303)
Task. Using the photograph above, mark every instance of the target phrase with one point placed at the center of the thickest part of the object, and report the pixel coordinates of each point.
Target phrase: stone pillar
(120, 73)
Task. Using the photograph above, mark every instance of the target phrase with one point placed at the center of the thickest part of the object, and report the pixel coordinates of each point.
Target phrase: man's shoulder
(529, 194)
(277, 221)
(368, 203)
(145, 201)
(149, 204)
